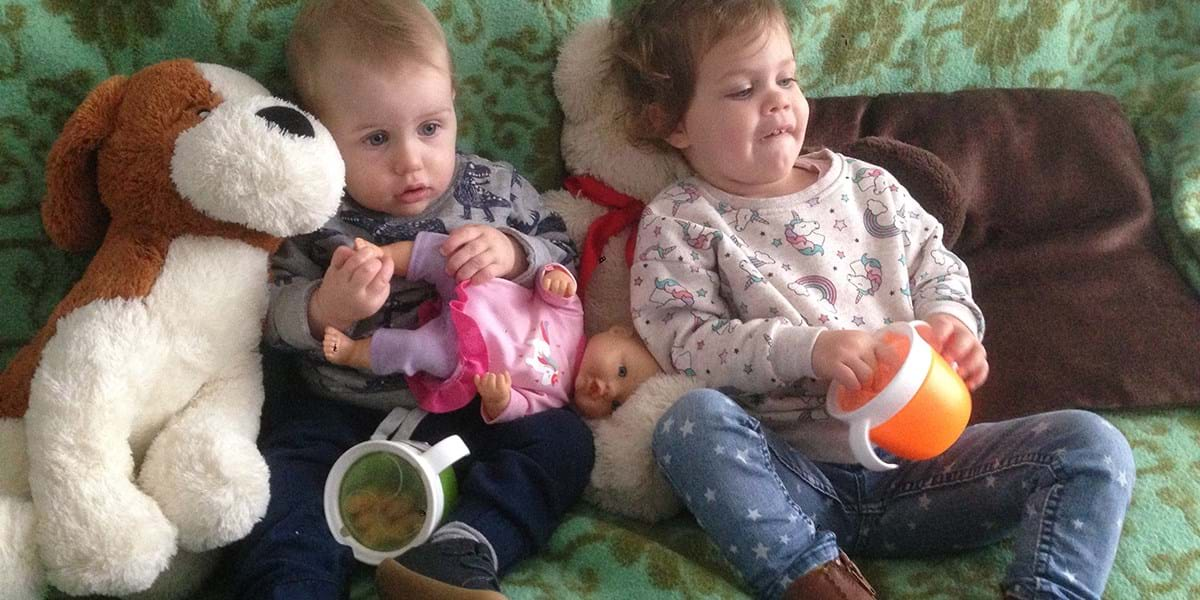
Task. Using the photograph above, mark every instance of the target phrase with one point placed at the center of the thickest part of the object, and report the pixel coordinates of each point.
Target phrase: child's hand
(559, 283)
(356, 285)
(481, 252)
(845, 356)
(959, 346)
(495, 389)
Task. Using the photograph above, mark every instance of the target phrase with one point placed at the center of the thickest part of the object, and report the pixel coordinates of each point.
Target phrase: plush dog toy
(611, 180)
(128, 424)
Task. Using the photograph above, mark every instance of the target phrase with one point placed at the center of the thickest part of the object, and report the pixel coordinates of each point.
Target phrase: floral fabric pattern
(1146, 53)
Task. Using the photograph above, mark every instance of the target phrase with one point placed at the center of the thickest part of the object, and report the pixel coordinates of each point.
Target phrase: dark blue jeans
(514, 487)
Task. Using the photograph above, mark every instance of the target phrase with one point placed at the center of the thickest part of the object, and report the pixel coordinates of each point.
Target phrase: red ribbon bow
(626, 210)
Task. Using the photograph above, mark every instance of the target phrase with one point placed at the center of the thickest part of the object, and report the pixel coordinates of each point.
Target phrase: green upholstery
(1145, 53)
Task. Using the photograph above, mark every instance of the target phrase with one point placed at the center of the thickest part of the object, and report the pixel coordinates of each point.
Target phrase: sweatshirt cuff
(956, 310)
(533, 259)
(289, 316)
(510, 413)
(791, 354)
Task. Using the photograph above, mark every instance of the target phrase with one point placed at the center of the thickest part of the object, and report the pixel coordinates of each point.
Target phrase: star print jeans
(1059, 482)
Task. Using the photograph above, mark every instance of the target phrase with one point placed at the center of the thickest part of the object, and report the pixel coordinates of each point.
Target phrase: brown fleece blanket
(1082, 307)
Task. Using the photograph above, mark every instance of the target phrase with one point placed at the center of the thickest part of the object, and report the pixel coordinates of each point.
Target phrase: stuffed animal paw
(185, 465)
(109, 536)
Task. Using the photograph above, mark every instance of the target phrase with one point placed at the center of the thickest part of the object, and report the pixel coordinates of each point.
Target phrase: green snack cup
(383, 497)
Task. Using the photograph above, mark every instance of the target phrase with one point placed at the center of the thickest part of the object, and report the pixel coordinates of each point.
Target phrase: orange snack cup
(915, 407)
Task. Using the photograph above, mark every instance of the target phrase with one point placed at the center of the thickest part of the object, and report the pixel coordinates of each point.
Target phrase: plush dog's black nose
(288, 119)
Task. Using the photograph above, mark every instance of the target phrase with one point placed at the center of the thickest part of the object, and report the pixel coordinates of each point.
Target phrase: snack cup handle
(444, 453)
(860, 445)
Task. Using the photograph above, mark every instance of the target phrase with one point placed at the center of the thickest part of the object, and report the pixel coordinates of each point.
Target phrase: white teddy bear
(625, 479)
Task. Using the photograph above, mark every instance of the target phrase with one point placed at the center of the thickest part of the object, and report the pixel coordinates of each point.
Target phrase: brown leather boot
(838, 579)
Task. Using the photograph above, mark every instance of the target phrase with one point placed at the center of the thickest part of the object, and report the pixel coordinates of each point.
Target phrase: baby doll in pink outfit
(523, 350)
(518, 347)
(615, 362)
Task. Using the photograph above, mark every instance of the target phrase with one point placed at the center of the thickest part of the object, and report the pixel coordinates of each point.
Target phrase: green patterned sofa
(1145, 53)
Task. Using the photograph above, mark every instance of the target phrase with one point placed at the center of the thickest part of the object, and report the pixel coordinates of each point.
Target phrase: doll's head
(615, 362)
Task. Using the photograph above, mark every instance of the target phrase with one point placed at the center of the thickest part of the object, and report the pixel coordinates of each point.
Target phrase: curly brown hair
(657, 47)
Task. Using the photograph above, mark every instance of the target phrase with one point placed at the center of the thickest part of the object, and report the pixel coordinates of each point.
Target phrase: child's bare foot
(340, 349)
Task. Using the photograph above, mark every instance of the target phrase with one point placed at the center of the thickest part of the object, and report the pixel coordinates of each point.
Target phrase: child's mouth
(414, 193)
(776, 132)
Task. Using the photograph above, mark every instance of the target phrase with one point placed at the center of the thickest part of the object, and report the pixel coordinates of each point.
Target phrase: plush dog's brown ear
(71, 211)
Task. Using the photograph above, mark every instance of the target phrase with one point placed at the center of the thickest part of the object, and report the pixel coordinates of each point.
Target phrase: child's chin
(410, 209)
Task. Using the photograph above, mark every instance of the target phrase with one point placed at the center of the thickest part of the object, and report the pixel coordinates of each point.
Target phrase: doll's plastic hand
(356, 285)
(367, 248)
(495, 389)
(481, 252)
(559, 283)
(959, 346)
(399, 252)
(847, 357)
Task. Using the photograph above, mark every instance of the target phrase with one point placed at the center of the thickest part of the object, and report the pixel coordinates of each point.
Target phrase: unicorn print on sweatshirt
(701, 240)
(684, 194)
(740, 218)
(668, 292)
(866, 276)
(872, 180)
(802, 235)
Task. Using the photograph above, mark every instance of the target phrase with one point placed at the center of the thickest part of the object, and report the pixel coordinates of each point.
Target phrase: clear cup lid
(381, 502)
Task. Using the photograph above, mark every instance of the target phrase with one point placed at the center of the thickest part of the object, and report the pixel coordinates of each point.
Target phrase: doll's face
(615, 363)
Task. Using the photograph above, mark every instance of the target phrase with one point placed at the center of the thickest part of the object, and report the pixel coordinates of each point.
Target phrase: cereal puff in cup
(383, 497)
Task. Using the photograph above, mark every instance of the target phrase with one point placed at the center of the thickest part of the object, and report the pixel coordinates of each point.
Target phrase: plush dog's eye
(203, 113)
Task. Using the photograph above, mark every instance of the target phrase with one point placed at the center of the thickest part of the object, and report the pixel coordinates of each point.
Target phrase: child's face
(746, 121)
(395, 128)
(615, 363)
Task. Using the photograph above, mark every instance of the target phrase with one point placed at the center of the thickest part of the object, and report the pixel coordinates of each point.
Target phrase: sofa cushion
(1083, 308)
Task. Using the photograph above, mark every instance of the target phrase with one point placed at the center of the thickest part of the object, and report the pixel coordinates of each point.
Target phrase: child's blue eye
(378, 138)
(428, 129)
(742, 93)
(787, 82)
(621, 371)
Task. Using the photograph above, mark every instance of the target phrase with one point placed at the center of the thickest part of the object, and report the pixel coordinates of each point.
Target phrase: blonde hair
(657, 49)
(379, 32)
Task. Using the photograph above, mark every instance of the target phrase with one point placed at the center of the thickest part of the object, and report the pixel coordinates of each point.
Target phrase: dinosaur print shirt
(736, 290)
(480, 192)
